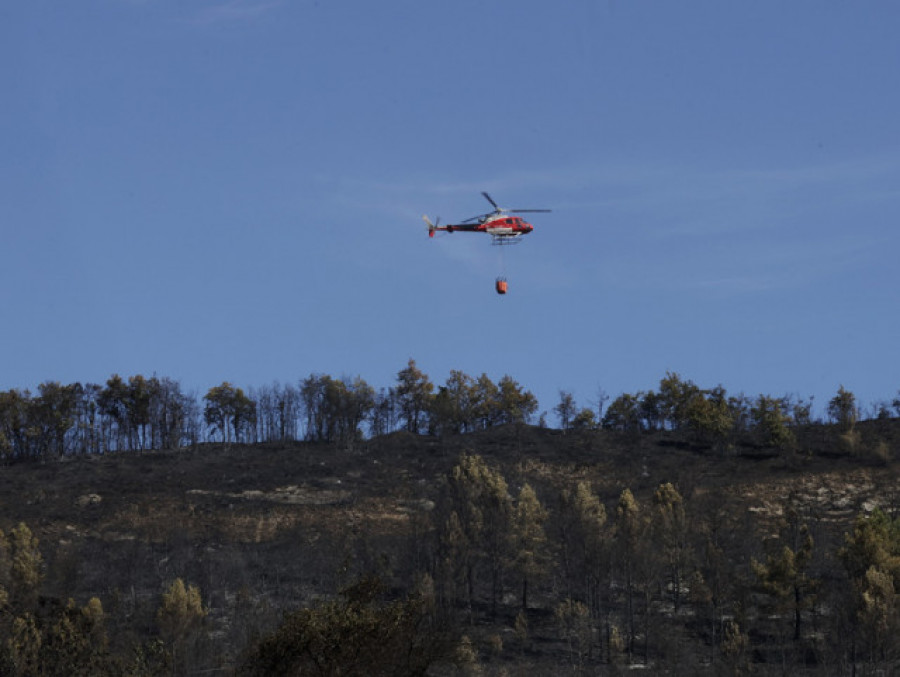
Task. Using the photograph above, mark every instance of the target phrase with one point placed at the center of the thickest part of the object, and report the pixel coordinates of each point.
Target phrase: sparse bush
(573, 623)
(495, 642)
(843, 410)
(772, 423)
(359, 635)
(881, 452)
(615, 645)
(584, 420)
(734, 646)
(850, 442)
(466, 658)
(521, 628)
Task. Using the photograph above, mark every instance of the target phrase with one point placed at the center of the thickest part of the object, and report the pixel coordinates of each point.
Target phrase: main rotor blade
(490, 199)
(528, 210)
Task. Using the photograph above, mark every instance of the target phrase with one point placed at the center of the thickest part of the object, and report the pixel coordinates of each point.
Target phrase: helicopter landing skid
(505, 240)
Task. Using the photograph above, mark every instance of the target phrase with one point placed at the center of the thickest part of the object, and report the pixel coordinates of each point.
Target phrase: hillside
(268, 528)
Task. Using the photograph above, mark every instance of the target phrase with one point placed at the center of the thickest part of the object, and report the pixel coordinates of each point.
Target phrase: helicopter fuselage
(507, 226)
(502, 228)
(500, 224)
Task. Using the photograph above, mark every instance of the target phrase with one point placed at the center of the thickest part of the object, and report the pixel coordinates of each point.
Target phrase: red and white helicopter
(503, 228)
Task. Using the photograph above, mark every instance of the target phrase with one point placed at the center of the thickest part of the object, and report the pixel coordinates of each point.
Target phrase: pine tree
(413, 392)
(25, 565)
(529, 540)
(843, 410)
(785, 577)
(179, 617)
(478, 497)
(871, 557)
(671, 532)
(630, 528)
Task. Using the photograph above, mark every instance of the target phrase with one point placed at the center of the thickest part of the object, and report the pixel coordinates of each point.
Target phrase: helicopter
(503, 228)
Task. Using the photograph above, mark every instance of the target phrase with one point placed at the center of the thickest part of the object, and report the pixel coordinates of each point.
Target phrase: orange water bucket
(501, 286)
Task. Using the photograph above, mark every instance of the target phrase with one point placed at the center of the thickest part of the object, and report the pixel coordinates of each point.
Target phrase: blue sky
(232, 190)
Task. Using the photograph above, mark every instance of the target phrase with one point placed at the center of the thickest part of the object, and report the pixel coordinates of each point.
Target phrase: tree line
(714, 417)
(141, 413)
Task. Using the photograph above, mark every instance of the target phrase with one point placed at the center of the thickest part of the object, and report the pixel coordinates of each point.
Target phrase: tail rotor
(432, 228)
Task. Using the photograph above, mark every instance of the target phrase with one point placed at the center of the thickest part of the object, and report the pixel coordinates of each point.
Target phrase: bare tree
(565, 410)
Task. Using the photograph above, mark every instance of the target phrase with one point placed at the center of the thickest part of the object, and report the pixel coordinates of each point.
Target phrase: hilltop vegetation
(155, 413)
(690, 532)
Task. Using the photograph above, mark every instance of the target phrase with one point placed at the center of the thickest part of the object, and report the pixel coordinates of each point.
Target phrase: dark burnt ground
(282, 524)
